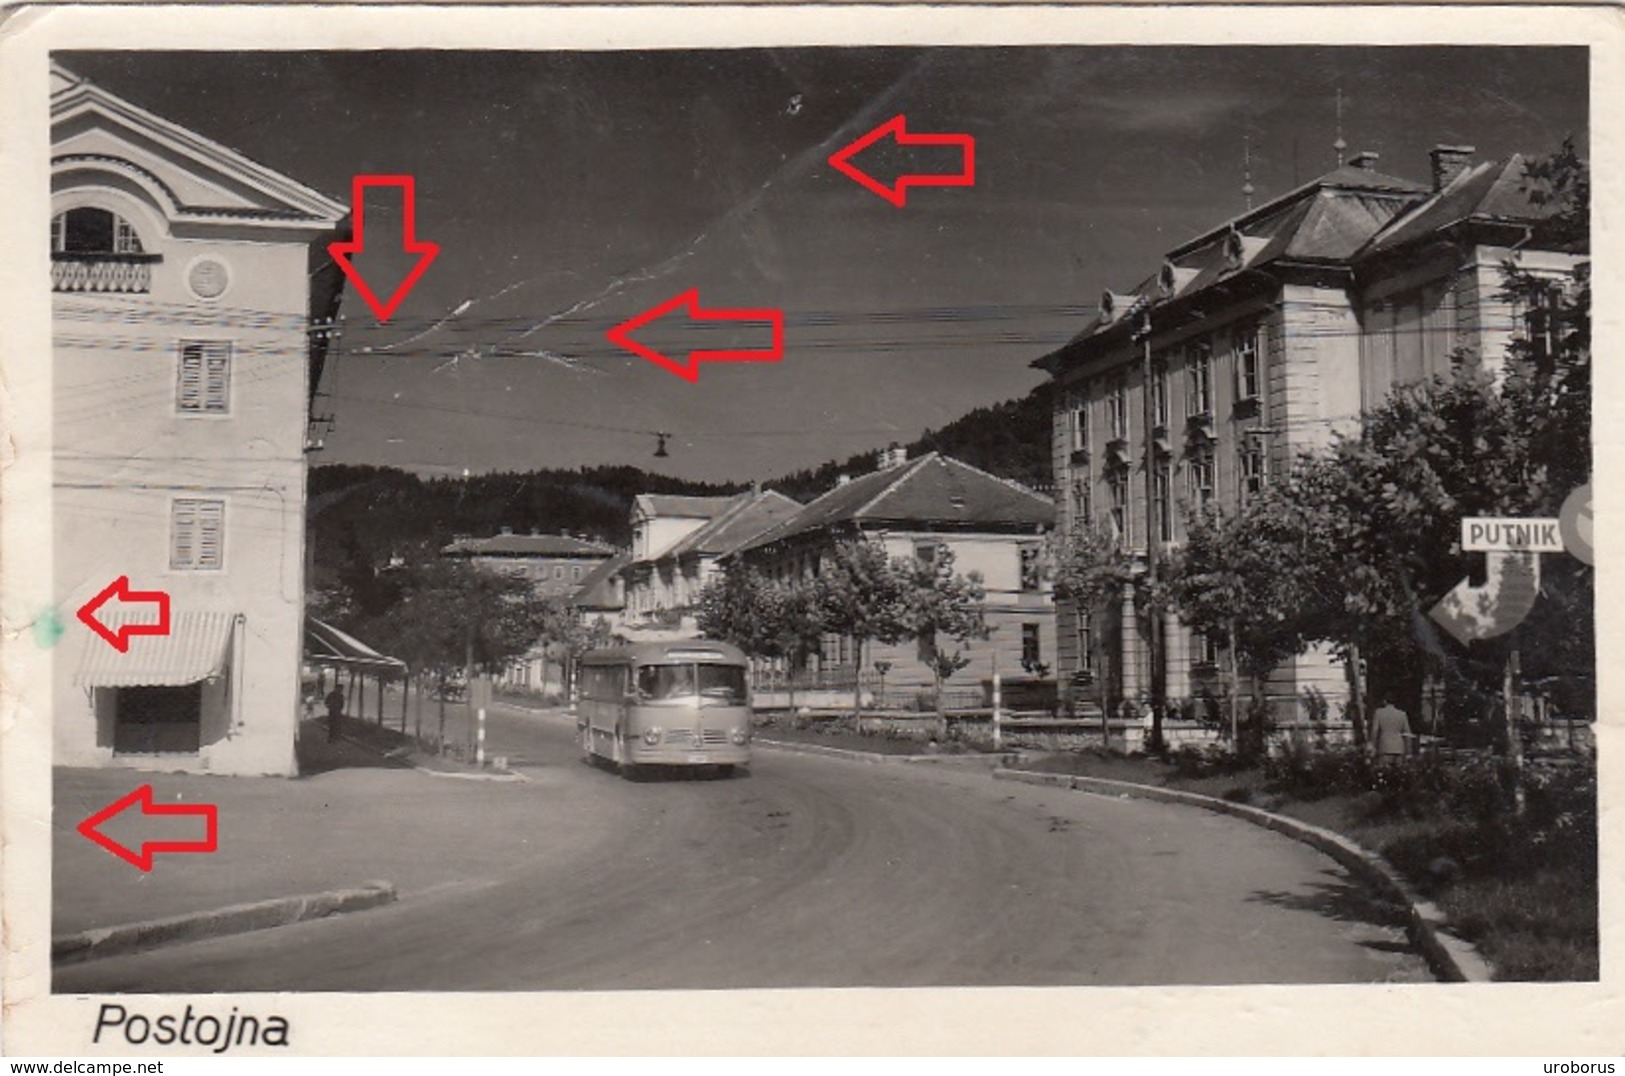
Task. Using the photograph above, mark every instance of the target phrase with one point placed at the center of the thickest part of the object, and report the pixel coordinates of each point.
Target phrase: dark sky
(571, 190)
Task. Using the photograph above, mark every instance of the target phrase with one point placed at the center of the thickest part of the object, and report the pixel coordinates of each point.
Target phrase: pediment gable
(188, 177)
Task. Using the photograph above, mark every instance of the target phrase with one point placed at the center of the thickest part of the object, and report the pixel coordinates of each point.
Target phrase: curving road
(806, 871)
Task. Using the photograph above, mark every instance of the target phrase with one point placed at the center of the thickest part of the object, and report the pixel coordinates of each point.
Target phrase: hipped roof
(528, 545)
(931, 491)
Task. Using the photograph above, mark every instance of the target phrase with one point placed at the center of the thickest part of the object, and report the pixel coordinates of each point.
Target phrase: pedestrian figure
(1390, 733)
(335, 710)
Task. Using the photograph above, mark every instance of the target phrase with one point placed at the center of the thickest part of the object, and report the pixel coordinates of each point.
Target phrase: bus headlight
(741, 737)
(651, 736)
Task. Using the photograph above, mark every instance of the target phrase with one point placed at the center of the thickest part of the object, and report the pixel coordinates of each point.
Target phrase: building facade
(189, 289)
(915, 509)
(676, 545)
(1258, 341)
(555, 565)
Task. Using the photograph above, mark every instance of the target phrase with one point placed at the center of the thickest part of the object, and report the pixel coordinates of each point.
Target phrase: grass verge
(1524, 891)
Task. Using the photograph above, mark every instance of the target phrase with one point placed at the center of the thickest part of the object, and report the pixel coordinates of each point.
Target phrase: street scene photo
(1042, 515)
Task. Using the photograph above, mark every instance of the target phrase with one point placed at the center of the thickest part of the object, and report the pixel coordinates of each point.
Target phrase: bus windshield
(722, 685)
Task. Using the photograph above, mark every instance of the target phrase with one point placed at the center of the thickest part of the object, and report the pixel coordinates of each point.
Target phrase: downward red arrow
(142, 796)
(690, 370)
(425, 250)
(897, 127)
(120, 589)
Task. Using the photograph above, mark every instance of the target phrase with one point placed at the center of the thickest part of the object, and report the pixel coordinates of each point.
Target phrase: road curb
(235, 919)
(457, 774)
(1451, 958)
(873, 756)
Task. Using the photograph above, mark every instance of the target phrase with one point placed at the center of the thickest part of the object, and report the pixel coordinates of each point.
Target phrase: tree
(452, 614)
(940, 603)
(862, 594)
(763, 617)
(1245, 579)
(1092, 571)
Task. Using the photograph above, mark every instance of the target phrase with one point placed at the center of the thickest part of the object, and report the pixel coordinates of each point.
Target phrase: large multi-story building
(1262, 339)
(555, 565)
(188, 283)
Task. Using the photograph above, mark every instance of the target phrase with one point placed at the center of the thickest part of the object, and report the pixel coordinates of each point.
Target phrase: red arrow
(120, 589)
(841, 161)
(425, 250)
(143, 797)
(690, 299)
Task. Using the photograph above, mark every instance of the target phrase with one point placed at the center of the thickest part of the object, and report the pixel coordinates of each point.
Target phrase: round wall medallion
(208, 278)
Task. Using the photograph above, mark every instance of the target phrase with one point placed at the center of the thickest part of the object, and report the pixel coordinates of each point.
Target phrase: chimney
(1364, 159)
(1448, 163)
(893, 455)
(756, 487)
(842, 479)
(507, 531)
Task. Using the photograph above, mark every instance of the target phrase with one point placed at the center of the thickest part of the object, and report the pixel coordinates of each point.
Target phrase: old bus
(666, 704)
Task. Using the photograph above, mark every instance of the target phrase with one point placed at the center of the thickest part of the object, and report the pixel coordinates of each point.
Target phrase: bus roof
(705, 650)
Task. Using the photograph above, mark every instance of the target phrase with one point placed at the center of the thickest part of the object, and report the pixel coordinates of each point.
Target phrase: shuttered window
(197, 535)
(203, 386)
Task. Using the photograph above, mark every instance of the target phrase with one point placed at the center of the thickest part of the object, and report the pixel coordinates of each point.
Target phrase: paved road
(810, 871)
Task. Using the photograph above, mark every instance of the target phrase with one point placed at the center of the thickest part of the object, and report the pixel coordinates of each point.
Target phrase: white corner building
(189, 290)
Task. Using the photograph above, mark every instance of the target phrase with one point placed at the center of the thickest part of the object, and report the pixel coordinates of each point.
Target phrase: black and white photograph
(754, 517)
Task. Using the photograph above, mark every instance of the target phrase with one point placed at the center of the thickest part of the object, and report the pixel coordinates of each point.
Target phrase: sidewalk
(285, 837)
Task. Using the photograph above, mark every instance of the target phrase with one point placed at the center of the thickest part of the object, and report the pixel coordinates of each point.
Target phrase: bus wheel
(723, 772)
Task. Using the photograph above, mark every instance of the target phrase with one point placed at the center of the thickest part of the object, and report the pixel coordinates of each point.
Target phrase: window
(1199, 370)
(1117, 410)
(88, 230)
(925, 552)
(1118, 484)
(1249, 374)
(1031, 655)
(1543, 326)
(1204, 649)
(1078, 426)
(575, 571)
(666, 681)
(1086, 643)
(1162, 483)
(1029, 567)
(1199, 472)
(203, 382)
(157, 720)
(1083, 509)
(197, 535)
(558, 571)
(1252, 469)
(1159, 391)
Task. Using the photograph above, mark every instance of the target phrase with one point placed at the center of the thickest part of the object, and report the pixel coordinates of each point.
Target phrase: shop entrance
(158, 720)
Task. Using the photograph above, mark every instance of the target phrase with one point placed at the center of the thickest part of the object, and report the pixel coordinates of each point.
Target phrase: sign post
(480, 695)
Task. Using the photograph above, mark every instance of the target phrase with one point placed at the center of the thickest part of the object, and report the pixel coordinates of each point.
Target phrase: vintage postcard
(778, 529)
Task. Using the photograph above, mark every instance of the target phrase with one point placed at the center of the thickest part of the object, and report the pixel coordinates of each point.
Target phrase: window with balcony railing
(97, 250)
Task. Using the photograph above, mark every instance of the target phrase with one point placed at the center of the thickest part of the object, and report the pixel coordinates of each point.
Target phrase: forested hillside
(1009, 439)
(362, 516)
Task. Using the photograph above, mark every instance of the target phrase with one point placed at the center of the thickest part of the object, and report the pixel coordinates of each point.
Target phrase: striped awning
(195, 649)
(327, 645)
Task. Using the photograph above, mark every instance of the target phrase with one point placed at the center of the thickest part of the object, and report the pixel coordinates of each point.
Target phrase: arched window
(88, 230)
